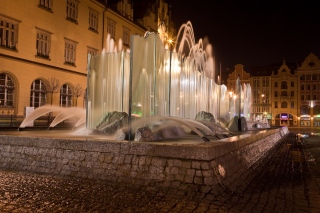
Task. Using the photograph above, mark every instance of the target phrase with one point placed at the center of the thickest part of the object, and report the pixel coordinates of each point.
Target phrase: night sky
(256, 33)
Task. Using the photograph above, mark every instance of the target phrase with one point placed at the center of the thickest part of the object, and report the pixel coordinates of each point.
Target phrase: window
(6, 90)
(65, 96)
(314, 87)
(302, 87)
(292, 104)
(292, 94)
(70, 52)
(302, 77)
(314, 77)
(126, 36)
(314, 97)
(284, 104)
(91, 51)
(276, 94)
(8, 33)
(93, 20)
(45, 4)
(308, 77)
(302, 97)
(111, 28)
(292, 83)
(284, 85)
(72, 10)
(43, 43)
(305, 110)
(316, 110)
(308, 87)
(275, 84)
(38, 94)
(284, 93)
(276, 104)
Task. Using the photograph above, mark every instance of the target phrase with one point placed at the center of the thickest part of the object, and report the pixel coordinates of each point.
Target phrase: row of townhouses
(284, 94)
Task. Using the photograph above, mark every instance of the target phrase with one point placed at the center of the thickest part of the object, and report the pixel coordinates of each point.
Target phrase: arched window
(284, 104)
(38, 93)
(66, 96)
(284, 85)
(6, 90)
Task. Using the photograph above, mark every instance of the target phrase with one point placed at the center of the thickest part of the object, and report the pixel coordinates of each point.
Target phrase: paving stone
(285, 183)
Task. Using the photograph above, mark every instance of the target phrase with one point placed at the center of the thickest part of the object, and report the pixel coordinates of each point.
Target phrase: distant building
(44, 46)
(240, 73)
(308, 92)
(285, 94)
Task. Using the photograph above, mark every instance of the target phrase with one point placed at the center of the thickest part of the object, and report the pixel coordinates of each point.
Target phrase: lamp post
(239, 119)
(232, 96)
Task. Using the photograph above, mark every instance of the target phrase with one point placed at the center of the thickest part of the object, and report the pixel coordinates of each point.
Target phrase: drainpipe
(104, 11)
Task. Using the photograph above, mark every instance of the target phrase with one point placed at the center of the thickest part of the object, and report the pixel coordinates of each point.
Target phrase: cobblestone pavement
(288, 182)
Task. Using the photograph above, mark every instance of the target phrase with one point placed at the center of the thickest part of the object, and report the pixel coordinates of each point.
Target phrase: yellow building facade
(44, 46)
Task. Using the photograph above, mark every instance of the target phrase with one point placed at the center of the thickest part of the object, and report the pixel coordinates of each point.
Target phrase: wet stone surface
(288, 182)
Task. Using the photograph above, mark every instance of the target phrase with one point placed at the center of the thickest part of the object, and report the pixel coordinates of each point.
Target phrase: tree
(78, 91)
(54, 85)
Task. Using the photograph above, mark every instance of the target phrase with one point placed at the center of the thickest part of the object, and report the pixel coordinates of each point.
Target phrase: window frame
(70, 50)
(7, 88)
(9, 29)
(66, 96)
(72, 8)
(39, 93)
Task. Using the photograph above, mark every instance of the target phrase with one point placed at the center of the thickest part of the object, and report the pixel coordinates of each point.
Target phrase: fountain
(166, 91)
(152, 84)
(150, 81)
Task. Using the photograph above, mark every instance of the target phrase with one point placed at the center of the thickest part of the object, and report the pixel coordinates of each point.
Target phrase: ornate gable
(311, 62)
(284, 70)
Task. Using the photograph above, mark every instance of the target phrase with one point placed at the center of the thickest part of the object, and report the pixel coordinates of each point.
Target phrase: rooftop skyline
(253, 34)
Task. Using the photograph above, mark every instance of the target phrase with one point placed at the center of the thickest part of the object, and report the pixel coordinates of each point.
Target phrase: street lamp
(239, 119)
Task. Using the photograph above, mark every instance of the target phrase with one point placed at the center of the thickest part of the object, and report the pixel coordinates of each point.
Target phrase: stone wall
(222, 162)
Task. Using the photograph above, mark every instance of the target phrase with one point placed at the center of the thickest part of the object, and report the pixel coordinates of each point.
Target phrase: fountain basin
(167, 163)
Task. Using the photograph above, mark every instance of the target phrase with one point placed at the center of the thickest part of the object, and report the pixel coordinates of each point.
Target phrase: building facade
(44, 46)
(284, 94)
(308, 74)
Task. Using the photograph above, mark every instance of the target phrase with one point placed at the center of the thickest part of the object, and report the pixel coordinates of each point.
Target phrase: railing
(43, 121)
(10, 120)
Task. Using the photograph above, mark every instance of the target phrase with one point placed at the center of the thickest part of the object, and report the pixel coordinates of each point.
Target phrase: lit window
(38, 94)
(66, 96)
(6, 90)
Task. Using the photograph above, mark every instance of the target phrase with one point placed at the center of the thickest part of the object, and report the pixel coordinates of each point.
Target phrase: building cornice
(42, 64)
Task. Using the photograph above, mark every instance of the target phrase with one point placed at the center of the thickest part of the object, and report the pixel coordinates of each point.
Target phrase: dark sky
(254, 33)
